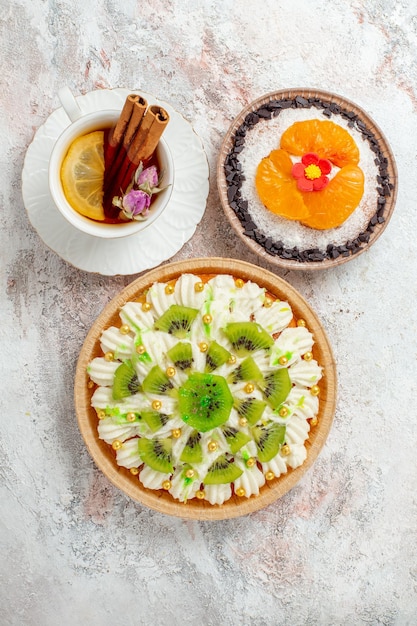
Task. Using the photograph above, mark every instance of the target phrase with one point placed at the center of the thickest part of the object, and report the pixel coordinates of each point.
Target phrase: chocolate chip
(231, 192)
(264, 113)
(302, 102)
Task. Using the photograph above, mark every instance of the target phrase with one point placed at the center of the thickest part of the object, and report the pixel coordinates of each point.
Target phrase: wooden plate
(103, 454)
(364, 124)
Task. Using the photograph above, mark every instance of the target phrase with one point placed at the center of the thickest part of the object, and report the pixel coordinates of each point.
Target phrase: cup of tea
(102, 120)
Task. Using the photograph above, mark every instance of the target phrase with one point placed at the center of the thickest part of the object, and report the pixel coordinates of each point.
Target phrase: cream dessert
(307, 179)
(207, 388)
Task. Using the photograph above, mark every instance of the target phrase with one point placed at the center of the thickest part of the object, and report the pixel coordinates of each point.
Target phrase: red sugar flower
(311, 172)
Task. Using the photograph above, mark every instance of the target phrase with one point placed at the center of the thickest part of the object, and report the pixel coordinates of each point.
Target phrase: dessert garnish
(207, 388)
(285, 187)
(311, 172)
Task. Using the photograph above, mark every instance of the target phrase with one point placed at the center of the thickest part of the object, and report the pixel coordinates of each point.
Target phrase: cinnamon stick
(116, 134)
(148, 135)
(126, 133)
(145, 141)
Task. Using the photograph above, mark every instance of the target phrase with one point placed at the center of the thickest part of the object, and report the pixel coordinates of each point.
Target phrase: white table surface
(341, 547)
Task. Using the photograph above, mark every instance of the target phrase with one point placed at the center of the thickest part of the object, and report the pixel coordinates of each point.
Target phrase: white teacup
(86, 123)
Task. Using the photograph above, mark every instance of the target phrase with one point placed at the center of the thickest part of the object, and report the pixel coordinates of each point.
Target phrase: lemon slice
(82, 174)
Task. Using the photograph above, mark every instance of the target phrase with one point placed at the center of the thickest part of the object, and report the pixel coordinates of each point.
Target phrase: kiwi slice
(154, 419)
(204, 401)
(126, 382)
(156, 381)
(247, 370)
(157, 453)
(177, 320)
(235, 438)
(222, 471)
(192, 452)
(181, 355)
(216, 356)
(268, 440)
(250, 408)
(246, 337)
(277, 386)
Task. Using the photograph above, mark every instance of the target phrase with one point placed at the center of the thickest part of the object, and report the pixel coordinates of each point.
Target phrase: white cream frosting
(217, 494)
(112, 340)
(102, 371)
(225, 301)
(128, 455)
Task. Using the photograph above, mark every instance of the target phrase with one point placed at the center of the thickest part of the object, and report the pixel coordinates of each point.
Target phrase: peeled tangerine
(322, 209)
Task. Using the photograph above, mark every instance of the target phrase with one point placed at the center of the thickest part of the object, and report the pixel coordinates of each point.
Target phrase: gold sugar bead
(243, 421)
(203, 346)
(134, 471)
(315, 390)
(314, 421)
(212, 446)
(240, 492)
(207, 319)
(146, 306)
(166, 485)
(250, 462)
(90, 384)
(283, 360)
(268, 302)
(130, 417)
(249, 387)
(301, 322)
(156, 405)
(109, 356)
(199, 287)
(285, 450)
(169, 289)
(308, 356)
(171, 371)
(239, 283)
(176, 433)
(190, 473)
(140, 349)
(116, 445)
(124, 329)
(101, 414)
(283, 412)
(200, 494)
(270, 475)
(232, 359)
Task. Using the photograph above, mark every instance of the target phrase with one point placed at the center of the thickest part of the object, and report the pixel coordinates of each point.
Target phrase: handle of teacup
(69, 104)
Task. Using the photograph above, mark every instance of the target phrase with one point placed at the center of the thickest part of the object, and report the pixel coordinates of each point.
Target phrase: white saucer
(127, 255)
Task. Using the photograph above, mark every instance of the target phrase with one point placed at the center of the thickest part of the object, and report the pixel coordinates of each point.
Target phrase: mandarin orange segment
(327, 139)
(277, 188)
(333, 205)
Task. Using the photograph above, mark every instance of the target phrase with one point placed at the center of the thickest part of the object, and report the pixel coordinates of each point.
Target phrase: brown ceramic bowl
(370, 132)
(162, 501)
